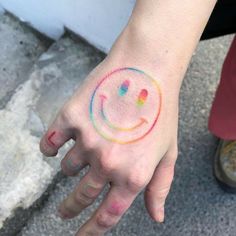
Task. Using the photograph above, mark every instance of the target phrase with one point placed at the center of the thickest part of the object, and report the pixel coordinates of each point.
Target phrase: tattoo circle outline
(91, 111)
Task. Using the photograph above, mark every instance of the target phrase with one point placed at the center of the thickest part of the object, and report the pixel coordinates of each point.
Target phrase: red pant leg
(222, 121)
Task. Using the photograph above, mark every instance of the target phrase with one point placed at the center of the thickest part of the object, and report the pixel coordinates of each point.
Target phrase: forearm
(162, 35)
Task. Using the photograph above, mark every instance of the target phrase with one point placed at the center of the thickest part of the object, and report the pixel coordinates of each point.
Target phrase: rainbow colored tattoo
(148, 94)
(142, 97)
(124, 88)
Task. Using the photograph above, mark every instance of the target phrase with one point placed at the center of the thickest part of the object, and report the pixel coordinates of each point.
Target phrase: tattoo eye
(124, 88)
(142, 97)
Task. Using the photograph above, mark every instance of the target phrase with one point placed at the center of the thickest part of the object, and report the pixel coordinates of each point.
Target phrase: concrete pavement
(19, 50)
(29, 101)
(196, 205)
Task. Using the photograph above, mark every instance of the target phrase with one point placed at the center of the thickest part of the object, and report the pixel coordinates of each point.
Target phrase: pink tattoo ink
(50, 138)
(116, 209)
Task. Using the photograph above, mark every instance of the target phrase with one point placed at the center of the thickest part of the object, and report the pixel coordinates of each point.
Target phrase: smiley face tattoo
(125, 105)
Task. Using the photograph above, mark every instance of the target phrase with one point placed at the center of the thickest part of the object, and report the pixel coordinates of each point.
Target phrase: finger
(84, 195)
(109, 213)
(74, 161)
(159, 186)
(58, 133)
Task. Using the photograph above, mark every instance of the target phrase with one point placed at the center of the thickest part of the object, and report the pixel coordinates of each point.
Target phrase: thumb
(158, 188)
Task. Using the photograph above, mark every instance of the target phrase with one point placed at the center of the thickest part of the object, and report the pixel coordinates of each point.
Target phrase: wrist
(133, 49)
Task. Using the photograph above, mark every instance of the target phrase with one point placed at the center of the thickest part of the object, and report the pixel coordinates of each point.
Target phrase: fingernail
(160, 215)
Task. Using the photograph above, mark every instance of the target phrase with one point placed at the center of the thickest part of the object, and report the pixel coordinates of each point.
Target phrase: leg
(223, 113)
(222, 123)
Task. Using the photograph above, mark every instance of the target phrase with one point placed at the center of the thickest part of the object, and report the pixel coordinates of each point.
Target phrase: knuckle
(169, 165)
(116, 209)
(163, 192)
(91, 191)
(106, 166)
(136, 182)
(160, 194)
(83, 199)
(68, 115)
(105, 221)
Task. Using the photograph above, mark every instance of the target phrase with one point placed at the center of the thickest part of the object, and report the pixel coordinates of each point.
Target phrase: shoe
(225, 165)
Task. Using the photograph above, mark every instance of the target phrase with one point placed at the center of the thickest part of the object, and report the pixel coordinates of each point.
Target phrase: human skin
(159, 39)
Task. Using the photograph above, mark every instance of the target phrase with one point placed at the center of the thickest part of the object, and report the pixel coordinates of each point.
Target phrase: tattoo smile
(141, 122)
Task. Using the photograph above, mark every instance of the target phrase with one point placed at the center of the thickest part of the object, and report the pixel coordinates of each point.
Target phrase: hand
(127, 164)
(159, 40)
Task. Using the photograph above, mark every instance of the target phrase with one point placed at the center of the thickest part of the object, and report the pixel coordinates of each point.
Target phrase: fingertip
(62, 214)
(160, 215)
(46, 149)
(157, 215)
(52, 141)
